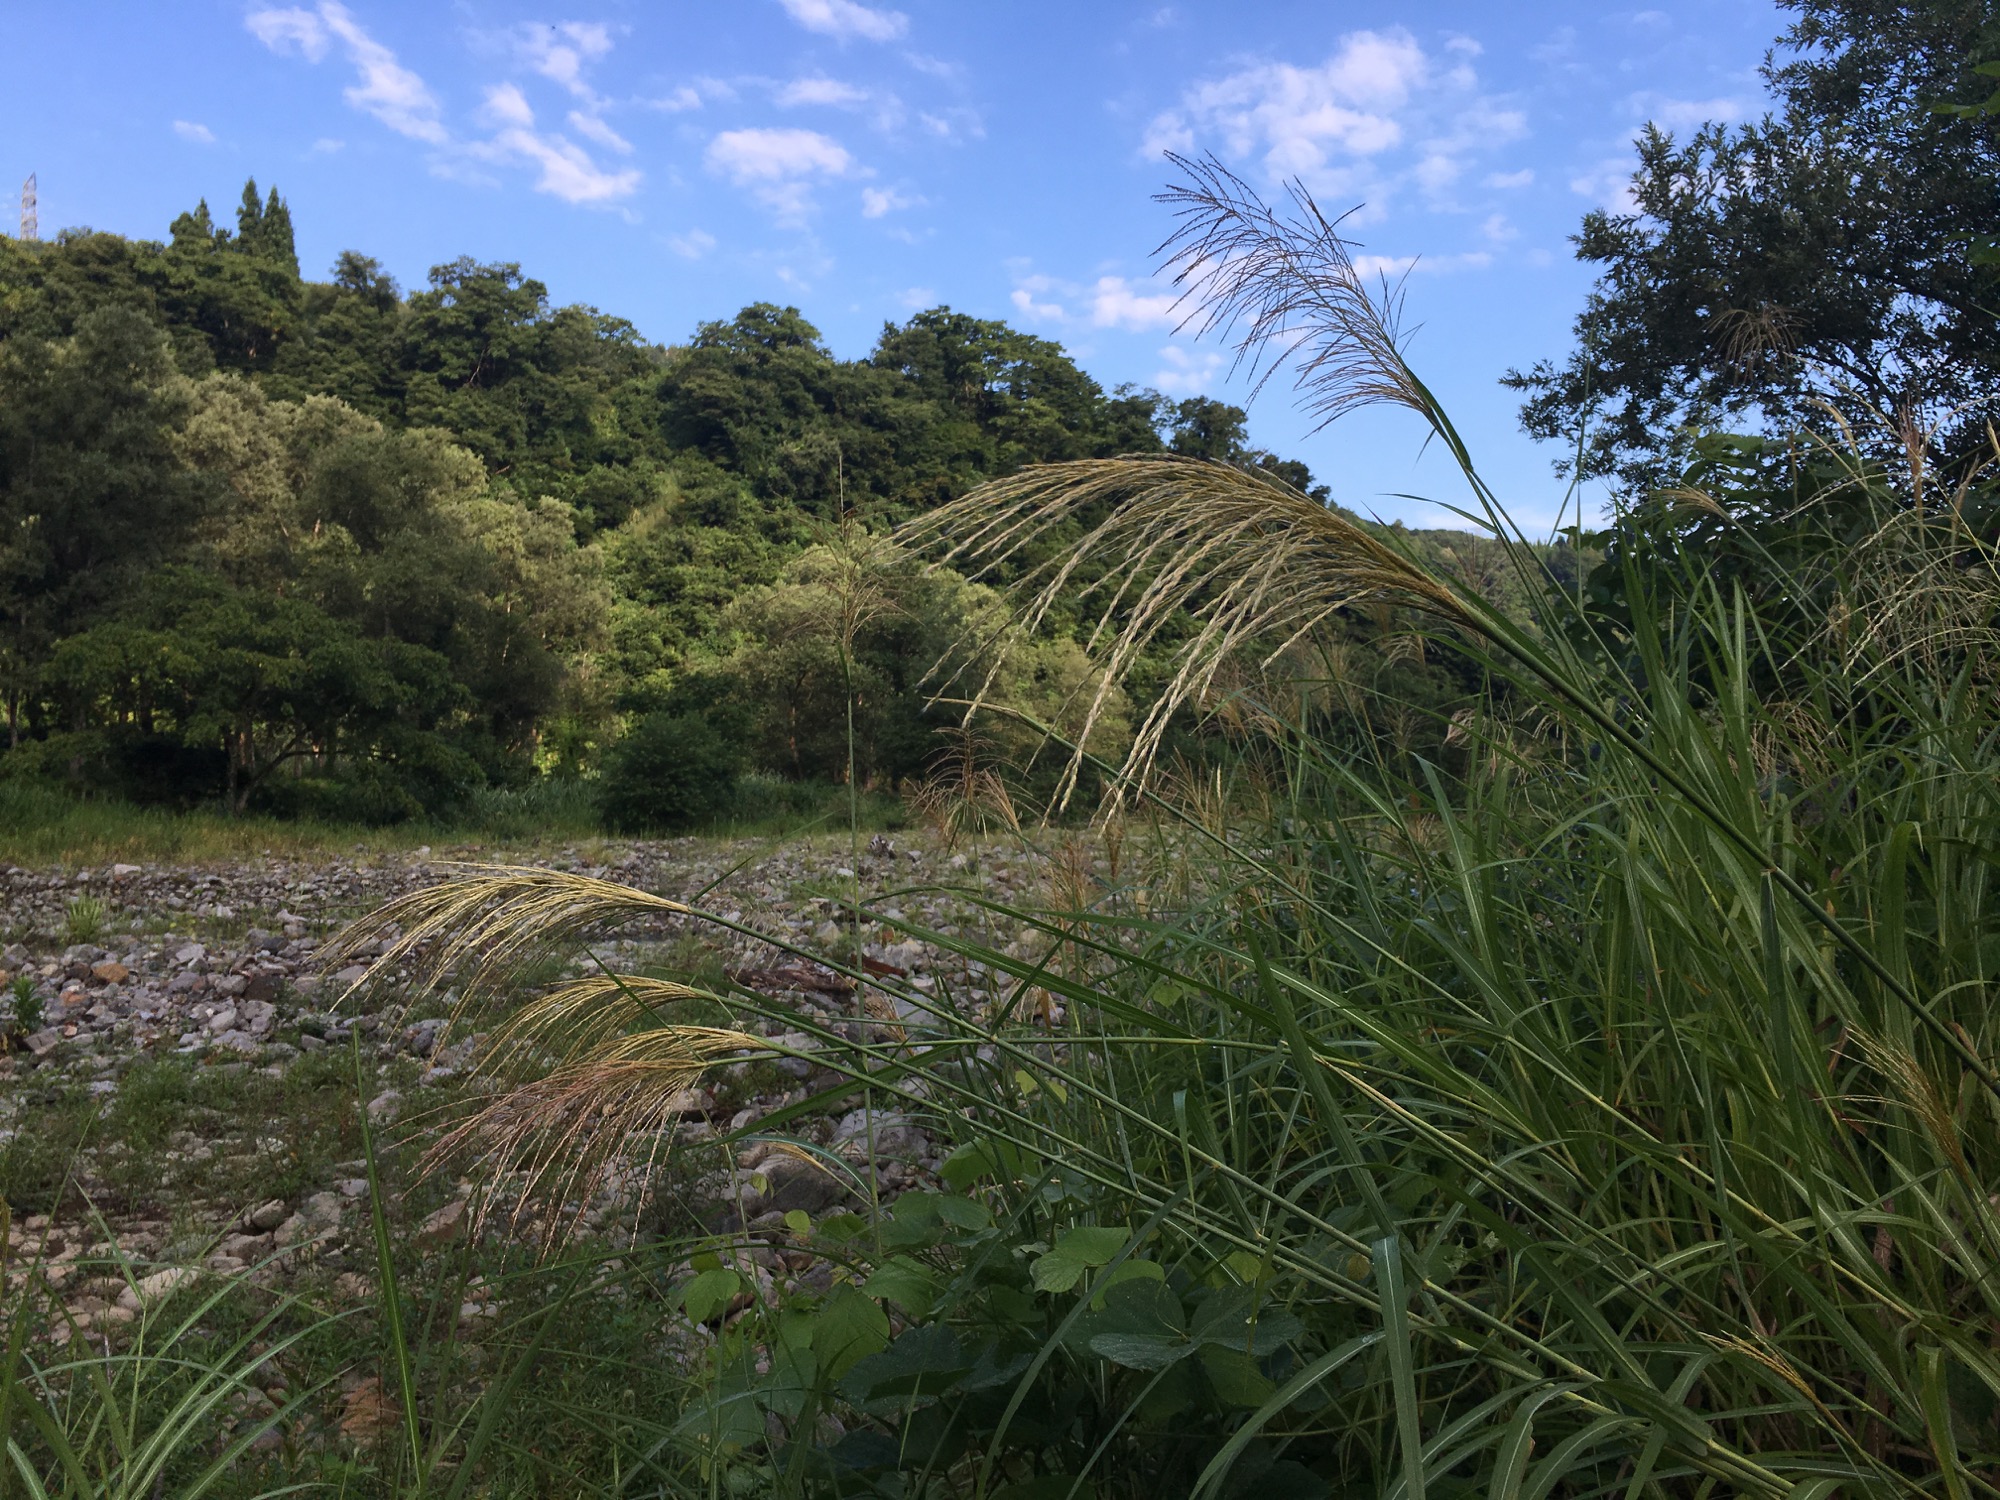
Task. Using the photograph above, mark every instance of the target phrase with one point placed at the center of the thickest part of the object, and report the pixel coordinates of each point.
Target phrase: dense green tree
(264, 230)
(1837, 249)
(239, 297)
(350, 343)
(266, 678)
(271, 535)
(92, 495)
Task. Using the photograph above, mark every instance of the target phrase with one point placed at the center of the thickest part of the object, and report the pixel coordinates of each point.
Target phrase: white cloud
(780, 166)
(1378, 113)
(188, 130)
(844, 18)
(1687, 114)
(875, 202)
(951, 124)
(1608, 184)
(1108, 302)
(682, 98)
(567, 171)
(693, 245)
(917, 298)
(1115, 304)
(559, 53)
(1523, 178)
(507, 105)
(326, 145)
(1300, 117)
(1384, 267)
(1499, 229)
(398, 98)
(595, 129)
(1027, 289)
(288, 31)
(386, 89)
(1393, 268)
(821, 91)
(1188, 373)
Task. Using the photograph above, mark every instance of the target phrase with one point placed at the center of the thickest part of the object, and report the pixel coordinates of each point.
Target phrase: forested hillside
(334, 547)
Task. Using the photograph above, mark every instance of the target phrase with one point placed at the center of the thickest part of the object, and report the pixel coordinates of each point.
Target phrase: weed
(83, 919)
(28, 1005)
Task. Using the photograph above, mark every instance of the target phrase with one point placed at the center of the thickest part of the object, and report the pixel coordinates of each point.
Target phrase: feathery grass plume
(1258, 565)
(963, 793)
(570, 1128)
(489, 922)
(1284, 286)
(617, 1063)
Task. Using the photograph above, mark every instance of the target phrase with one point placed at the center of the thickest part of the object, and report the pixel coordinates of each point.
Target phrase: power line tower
(31, 227)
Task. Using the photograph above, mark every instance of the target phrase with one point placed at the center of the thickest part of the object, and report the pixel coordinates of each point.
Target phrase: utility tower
(31, 228)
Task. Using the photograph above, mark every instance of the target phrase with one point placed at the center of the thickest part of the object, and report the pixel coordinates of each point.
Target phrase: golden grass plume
(1256, 563)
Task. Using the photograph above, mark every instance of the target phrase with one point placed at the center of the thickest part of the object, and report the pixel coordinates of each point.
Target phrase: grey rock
(266, 1216)
(190, 955)
(384, 1106)
(45, 1041)
(223, 1019)
(445, 1227)
(891, 1134)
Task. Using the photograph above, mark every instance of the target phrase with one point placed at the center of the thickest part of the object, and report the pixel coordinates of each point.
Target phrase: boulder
(445, 1227)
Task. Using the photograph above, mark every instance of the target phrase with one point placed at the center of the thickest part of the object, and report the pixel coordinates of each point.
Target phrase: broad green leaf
(1234, 1376)
(1142, 1351)
(710, 1292)
(848, 1327)
(923, 1361)
(1080, 1249)
(908, 1283)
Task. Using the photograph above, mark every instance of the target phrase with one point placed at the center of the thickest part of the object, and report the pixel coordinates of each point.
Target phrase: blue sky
(670, 162)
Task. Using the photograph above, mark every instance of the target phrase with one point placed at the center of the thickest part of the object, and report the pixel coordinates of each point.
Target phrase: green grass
(40, 826)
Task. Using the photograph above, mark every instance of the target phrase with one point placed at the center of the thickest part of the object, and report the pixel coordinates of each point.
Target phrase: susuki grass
(1606, 1108)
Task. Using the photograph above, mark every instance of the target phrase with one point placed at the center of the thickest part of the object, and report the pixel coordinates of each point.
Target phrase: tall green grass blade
(391, 1290)
(1388, 1257)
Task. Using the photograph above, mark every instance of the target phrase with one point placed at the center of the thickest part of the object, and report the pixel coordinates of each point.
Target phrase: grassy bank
(41, 826)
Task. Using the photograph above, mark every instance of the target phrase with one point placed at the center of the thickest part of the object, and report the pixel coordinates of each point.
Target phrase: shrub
(29, 1011)
(671, 771)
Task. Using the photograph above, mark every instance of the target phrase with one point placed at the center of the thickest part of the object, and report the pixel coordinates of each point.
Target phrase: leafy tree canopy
(1840, 249)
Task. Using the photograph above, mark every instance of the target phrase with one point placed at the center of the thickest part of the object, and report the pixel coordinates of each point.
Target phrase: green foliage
(27, 1004)
(1835, 248)
(334, 552)
(83, 919)
(670, 772)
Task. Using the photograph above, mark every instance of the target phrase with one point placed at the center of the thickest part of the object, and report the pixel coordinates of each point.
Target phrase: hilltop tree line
(330, 546)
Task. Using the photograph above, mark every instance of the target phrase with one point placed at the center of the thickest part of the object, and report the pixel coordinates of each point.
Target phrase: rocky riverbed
(178, 1087)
